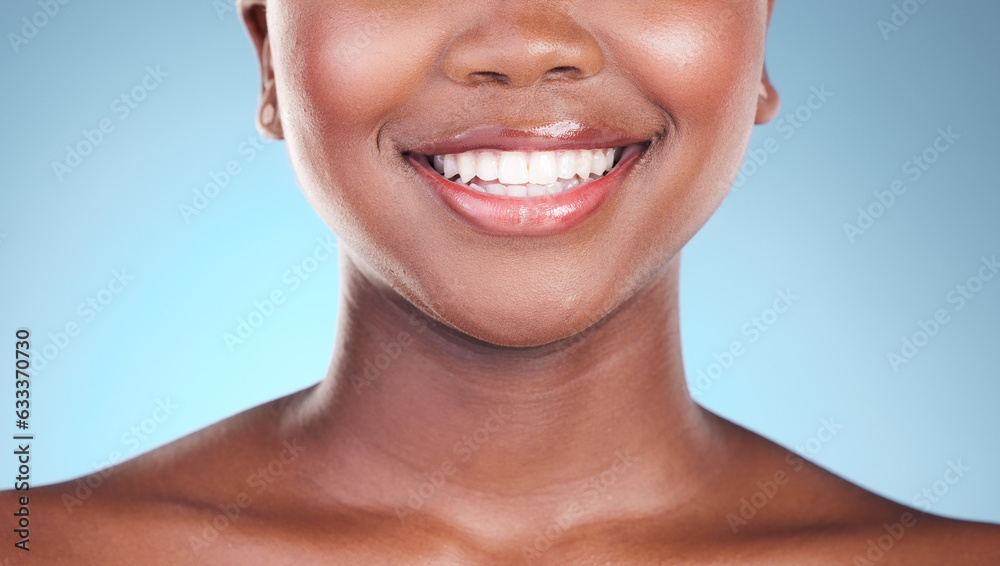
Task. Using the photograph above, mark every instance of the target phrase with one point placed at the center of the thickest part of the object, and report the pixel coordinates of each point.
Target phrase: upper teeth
(538, 168)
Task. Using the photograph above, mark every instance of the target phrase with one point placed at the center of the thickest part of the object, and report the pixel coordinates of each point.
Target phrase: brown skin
(557, 358)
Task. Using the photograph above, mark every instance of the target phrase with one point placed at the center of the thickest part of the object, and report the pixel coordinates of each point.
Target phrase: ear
(768, 101)
(254, 16)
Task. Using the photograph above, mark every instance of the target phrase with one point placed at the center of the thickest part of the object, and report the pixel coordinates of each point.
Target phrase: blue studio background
(148, 290)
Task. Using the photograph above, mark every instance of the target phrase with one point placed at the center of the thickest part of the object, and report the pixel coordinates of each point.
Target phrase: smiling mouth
(526, 174)
(540, 180)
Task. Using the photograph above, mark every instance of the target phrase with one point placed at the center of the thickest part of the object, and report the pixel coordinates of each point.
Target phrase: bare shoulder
(779, 495)
(939, 540)
(154, 508)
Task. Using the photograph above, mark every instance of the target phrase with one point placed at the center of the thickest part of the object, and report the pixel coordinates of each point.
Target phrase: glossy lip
(544, 137)
(523, 216)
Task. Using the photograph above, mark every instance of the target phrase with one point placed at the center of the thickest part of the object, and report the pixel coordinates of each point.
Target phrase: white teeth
(525, 190)
(600, 163)
(450, 166)
(487, 165)
(466, 166)
(542, 168)
(566, 164)
(527, 173)
(513, 168)
(536, 190)
(517, 190)
(571, 183)
(584, 159)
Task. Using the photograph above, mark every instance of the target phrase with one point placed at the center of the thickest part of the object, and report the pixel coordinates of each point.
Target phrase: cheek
(335, 78)
(346, 64)
(701, 63)
(341, 75)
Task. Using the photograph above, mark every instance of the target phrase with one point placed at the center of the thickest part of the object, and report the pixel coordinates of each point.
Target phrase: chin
(525, 323)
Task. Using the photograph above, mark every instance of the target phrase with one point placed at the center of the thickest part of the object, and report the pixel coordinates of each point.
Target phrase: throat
(417, 408)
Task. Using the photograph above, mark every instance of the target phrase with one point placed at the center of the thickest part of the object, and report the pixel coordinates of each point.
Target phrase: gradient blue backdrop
(161, 338)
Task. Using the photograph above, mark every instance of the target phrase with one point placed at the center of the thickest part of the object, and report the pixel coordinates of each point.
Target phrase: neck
(431, 419)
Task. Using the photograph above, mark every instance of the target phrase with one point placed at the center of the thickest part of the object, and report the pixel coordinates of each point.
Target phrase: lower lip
(525, 216)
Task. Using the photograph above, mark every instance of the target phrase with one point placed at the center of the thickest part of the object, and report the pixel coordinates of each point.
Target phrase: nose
(521, 44)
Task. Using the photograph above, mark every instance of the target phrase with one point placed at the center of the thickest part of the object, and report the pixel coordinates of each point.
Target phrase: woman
(511, 185)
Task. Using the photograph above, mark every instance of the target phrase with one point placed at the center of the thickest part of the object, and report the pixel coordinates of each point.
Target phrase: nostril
(515, 47)
(477, 77)
(566, 71)
(561, 72)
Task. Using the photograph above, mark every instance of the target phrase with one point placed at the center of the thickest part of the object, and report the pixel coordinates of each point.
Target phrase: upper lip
(549, 136)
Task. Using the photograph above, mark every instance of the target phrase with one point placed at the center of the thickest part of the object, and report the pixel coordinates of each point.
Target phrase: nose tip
(523, 48)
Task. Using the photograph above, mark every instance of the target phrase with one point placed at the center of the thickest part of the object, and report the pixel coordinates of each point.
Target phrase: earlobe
(268, 116)
(254, 16)
(269, 122)
(768, 101)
